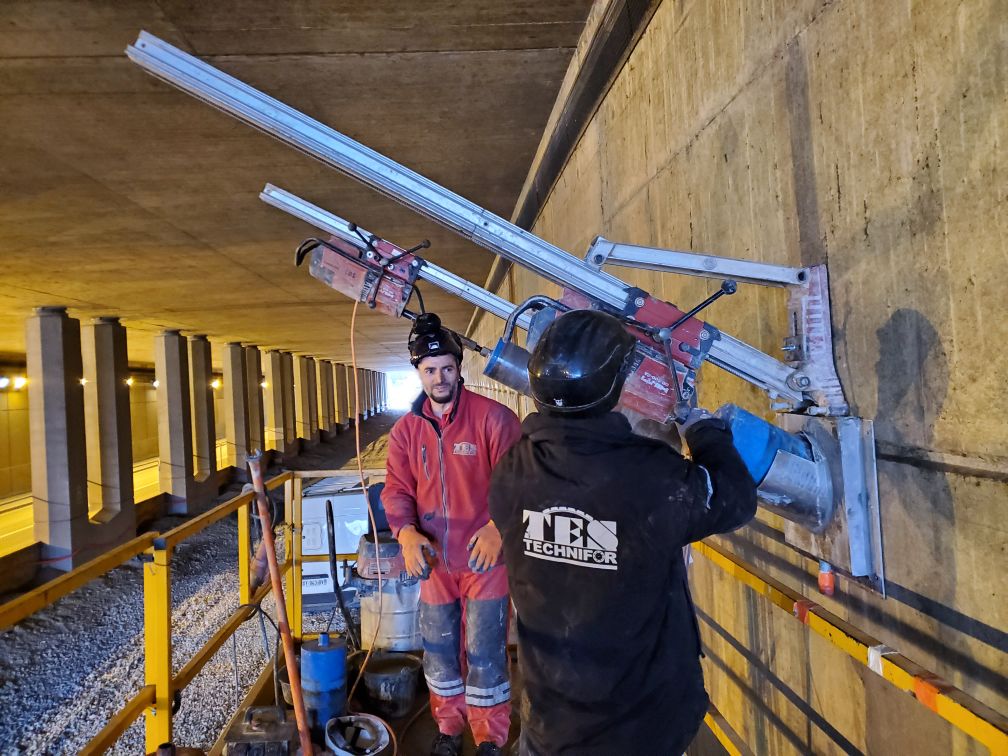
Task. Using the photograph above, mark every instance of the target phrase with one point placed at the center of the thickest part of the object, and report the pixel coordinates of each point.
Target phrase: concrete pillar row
(254, 389)
(342, 405)
(109, 435)
(290, 434)
(204, 421)
(56, 428)
(236, 426)
(175, 436)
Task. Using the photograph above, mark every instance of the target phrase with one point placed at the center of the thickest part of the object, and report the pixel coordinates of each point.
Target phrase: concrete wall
(143, 419)
(864, 135)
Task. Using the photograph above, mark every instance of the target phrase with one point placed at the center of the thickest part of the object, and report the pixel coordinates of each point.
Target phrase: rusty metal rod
(254, 461)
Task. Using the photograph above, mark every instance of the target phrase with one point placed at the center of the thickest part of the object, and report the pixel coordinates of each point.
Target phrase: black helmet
(429, 339)
(580, 363)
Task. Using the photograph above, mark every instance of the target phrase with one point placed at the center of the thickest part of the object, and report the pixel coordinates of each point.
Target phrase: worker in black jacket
(594, 519)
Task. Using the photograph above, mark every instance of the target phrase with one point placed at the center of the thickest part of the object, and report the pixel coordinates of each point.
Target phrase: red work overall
(438, 478)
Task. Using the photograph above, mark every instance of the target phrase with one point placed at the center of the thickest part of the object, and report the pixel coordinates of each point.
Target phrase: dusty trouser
(471, 684)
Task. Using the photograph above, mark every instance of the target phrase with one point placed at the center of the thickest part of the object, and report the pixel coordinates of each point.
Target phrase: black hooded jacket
(593, 519)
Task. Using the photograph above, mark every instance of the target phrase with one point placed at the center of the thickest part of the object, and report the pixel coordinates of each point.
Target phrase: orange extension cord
(374, 525)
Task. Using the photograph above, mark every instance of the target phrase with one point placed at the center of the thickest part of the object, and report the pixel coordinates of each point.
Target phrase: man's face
(439, 377)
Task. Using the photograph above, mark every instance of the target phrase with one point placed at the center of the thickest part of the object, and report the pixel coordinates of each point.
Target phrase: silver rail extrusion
(427, 198)
(377, 171)
(604, 252)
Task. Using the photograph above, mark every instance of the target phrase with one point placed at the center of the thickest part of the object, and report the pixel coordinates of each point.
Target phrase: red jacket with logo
(439, 470)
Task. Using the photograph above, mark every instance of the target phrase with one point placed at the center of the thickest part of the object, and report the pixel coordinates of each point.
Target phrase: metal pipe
(300, 715)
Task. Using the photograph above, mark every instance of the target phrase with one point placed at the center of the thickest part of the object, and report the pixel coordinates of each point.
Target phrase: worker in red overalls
(439, 463)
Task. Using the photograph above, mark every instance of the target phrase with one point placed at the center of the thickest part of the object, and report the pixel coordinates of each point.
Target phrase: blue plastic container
(758, 441)
(323, 678)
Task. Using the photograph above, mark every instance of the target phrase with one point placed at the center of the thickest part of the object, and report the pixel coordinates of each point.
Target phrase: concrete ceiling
(122, 196)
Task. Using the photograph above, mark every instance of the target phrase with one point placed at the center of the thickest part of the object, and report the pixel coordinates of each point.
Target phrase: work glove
(694, 416)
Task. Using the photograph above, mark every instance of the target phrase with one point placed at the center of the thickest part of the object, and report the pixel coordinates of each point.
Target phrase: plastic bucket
(391, 683)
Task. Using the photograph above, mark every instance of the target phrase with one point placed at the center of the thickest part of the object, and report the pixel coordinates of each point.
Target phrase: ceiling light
(20, 382)
(156, 383)
(215, 383)
(4, 382)
(129, 381)
(83, 381)
(264, 384)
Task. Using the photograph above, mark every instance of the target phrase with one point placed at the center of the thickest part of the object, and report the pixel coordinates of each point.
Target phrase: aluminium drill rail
(433, 201)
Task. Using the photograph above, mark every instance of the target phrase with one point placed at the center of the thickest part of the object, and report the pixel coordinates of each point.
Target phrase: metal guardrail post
(292, 552)
(244, 556)
(157, 642)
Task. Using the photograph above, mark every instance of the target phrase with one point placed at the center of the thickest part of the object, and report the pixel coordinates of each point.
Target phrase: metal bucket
(391, 683)
(399, 629)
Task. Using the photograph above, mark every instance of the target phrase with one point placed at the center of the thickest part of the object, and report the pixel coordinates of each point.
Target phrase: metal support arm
(439, 204)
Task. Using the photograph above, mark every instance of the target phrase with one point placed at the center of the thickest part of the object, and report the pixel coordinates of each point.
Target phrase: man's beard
(443, 396)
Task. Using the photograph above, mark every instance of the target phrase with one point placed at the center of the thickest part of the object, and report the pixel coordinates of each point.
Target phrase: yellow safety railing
(156, 697)
(949, 702)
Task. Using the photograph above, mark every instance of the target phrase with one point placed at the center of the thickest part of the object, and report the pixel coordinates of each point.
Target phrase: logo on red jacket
(565, 534)
(465, 449)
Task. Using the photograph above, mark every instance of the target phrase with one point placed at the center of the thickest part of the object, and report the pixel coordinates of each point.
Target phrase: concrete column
(313, 407)
(204, 420)
(382, 401)
(366, 394)
(290, 415)
(236, 426)
(358, 395)
(175, 438)
(342, 406)
(374, 392)
(273, 401)
(107, 428)
(56, 427)
(327, 419)
(253, 385)
(305, 400)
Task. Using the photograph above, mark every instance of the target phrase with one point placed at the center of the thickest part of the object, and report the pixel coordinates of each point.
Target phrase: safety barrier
(155, 550)
(950, 703)
(156, 698)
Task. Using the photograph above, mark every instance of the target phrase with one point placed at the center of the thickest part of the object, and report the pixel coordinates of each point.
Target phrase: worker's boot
(446, 745)
(489, 749)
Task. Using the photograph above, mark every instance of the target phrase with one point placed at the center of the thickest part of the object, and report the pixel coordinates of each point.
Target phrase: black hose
(351, 631)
